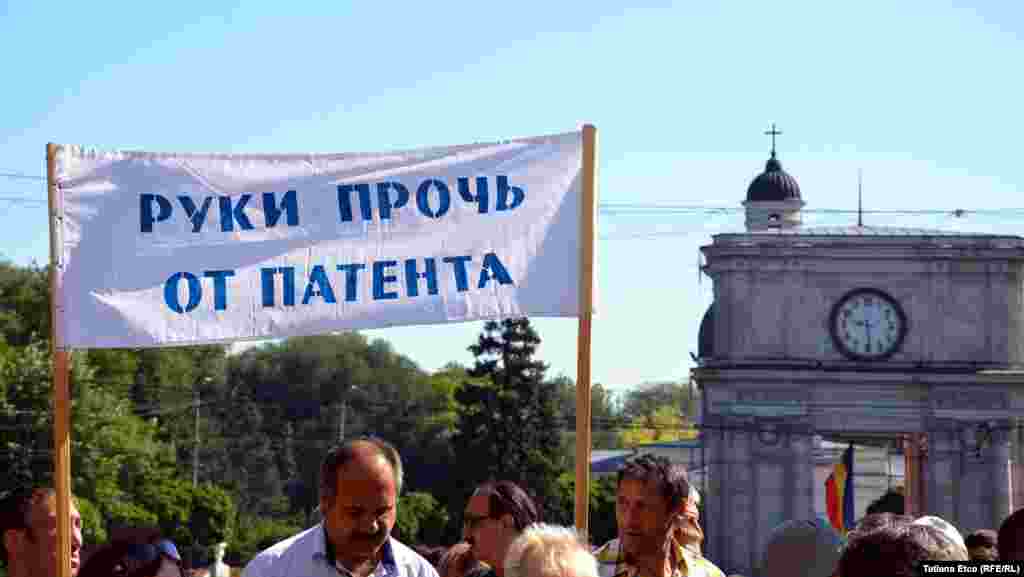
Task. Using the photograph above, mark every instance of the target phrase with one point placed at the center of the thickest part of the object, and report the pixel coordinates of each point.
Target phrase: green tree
(26, 429)
(506, 423)
(444, 384)
(123, 514)
(164, 386)
(94, 530)
(123, 466)
(298, 396)
(604, 416)
(170, 500)
(662, 411)
(662, 426)
(256, 534)
(24, 303)
(213, 514)
(115, 369)
(648, 397)
(602, 522)
(421, 519)
(114, 453)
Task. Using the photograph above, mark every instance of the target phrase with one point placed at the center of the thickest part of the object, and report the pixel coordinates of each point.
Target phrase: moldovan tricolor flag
(839, 493)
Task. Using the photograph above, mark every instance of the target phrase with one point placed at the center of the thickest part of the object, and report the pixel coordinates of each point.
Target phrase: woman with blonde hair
(688, 532)
(543, 550)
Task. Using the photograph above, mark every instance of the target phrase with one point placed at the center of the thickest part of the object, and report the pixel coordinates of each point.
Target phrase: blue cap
(167, 548)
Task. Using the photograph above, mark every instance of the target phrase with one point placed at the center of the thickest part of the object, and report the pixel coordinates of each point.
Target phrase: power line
(157, 408)
(328, 437)
(632, 208)
(22, 200)
(21, 176)
(641, 209)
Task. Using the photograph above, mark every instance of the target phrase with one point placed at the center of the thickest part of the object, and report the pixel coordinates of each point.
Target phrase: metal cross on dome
(773, 133)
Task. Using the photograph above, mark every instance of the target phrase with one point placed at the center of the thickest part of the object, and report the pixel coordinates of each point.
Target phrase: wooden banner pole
(588, 216)
(913, 479)
(61, 392)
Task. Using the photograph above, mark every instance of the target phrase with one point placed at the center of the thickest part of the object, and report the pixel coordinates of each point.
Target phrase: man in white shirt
(359, 486)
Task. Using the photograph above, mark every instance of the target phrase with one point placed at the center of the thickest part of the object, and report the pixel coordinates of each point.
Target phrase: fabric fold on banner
(839, 500)
(162, 249)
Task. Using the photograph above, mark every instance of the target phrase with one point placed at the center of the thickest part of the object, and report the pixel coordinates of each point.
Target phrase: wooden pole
(908, 474)
(61, 393)
(913, 476)
(588, 216)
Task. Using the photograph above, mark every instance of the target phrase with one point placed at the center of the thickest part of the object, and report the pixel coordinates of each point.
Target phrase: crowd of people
(504, 535)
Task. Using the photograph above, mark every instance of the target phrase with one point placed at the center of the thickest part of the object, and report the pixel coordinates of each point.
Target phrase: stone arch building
(855, 333)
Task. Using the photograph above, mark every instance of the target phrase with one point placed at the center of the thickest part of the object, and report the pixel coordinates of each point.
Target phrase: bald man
(359, 486)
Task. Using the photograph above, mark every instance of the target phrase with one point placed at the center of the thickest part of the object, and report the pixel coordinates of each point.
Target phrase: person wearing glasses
(651, 503)
(28, 531)
(359, 486)
(495, 515)
(155, 557)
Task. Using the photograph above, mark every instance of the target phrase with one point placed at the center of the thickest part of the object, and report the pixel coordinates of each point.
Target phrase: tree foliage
(663, 425)
(24, 304)
(659, 412)
(421, 518)
(268, 415)
(259, 533)
(125, 470)
(93, 527)
(602, 522)
(508, 425)
(213, 514)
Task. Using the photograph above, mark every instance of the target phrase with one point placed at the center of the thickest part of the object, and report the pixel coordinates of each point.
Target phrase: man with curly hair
(651, 498)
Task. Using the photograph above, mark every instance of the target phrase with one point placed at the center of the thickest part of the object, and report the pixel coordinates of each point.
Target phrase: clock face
(868, 324)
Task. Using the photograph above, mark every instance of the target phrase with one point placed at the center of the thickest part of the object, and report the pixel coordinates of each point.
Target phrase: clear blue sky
(924, 96)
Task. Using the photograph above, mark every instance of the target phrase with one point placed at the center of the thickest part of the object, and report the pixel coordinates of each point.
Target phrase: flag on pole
(839, 493)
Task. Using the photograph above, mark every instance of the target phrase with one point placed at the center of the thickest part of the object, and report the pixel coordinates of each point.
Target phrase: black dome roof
(706, 336)
(773, 185)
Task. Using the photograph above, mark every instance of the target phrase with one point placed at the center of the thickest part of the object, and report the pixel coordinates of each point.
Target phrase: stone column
(761, 473)
(740, 485)
(1017, 463)
(999, 465)
(942, 472)
(714, 520)
(777, 482)
(975, 486)
(969, 473)
(773, 482)
(802, 442)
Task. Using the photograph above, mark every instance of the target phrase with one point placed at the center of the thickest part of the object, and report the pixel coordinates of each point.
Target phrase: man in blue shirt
(359, 486)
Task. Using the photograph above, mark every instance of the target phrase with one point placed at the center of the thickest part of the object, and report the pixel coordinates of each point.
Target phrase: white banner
(174, 249)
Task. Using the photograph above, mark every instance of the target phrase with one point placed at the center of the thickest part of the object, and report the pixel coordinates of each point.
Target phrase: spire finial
(773, 133)
(860, 203)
